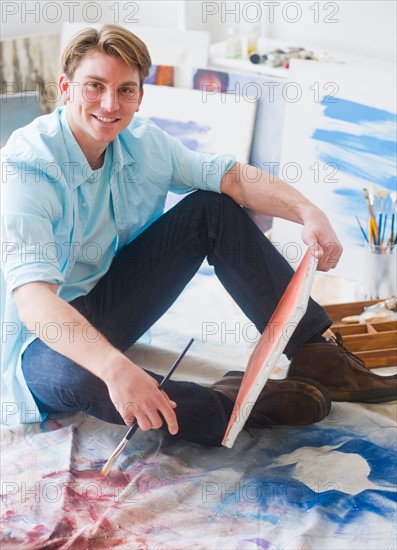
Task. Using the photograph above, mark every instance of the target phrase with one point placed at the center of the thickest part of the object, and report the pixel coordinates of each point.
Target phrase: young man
(90, 261)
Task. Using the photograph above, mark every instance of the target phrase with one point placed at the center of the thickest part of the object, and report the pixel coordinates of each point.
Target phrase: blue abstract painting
(366, 135)
(340, 143)
(191, 133)
(362, 144)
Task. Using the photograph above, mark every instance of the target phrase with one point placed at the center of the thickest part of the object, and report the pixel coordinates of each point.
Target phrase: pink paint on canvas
(271, 344)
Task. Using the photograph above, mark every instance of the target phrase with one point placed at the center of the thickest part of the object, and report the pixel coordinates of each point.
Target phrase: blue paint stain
(190, 133)
(304, 437)
(376, 176)
(260, 543)
(273, 495)
(291, 495)
(355, 194)
(346, 509)
(362, 143)
(380, 460)
(357, 113)
(348, 199)
(278, 486)
(364, 154)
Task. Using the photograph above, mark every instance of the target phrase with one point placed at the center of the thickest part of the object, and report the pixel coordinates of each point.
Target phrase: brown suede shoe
(293, 402)
(343, 374)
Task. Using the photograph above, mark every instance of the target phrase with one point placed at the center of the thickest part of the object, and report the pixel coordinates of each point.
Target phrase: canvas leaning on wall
(206, 124)
(339, 137)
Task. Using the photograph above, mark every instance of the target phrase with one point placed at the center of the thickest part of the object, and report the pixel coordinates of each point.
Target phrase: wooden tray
(375, 343)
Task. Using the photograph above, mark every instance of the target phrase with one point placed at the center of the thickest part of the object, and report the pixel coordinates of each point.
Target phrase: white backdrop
(349, 26)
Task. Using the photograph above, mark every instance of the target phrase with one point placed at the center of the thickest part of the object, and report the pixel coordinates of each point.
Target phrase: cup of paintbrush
(380, 277)
(392, 241)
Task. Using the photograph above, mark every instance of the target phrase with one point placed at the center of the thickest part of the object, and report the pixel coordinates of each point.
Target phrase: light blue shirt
(63, 223)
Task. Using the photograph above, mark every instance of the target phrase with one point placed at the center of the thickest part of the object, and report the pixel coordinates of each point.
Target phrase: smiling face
(101, 98)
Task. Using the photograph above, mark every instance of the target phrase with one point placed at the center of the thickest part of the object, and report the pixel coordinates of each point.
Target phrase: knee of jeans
(217, 205)
(204, 199)
(48, 373)
(214, 203)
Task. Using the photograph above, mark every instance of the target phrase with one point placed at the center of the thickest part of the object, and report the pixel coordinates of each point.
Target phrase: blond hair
(112, 40)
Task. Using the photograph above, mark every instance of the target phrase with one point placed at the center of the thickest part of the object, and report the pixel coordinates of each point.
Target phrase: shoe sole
(370, 396)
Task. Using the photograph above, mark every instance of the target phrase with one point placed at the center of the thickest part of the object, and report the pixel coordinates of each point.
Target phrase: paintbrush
(384, 230)
(373, 229)
(393, 197)
(369, 203)
(382, 194)
(362, 230)
(109, 464)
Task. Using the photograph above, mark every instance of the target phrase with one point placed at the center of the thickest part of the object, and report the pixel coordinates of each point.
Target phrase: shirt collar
(121, 155)
(79, 170)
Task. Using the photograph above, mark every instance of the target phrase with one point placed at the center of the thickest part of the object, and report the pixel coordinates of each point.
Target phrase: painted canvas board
(338, 138)
(266, 93)
(161, 75)
(31, 64)
(271, 345)
(209, 126)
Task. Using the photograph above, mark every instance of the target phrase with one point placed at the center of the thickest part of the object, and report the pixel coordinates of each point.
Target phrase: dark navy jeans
(144, 280)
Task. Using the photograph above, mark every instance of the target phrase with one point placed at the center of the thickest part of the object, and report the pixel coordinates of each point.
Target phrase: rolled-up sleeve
(29, 251)
(196, 170)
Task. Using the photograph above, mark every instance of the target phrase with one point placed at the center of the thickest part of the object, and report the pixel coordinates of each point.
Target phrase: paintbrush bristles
(377, 235)
(367, 200)
(109, 464)
(382, 195)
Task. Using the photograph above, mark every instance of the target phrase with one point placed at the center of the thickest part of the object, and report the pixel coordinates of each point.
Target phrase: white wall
(349, 26)
(33, 17)
(360, 27)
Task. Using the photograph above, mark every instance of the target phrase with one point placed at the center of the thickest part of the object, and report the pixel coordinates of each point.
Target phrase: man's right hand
(136, 396)
(134, 392)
